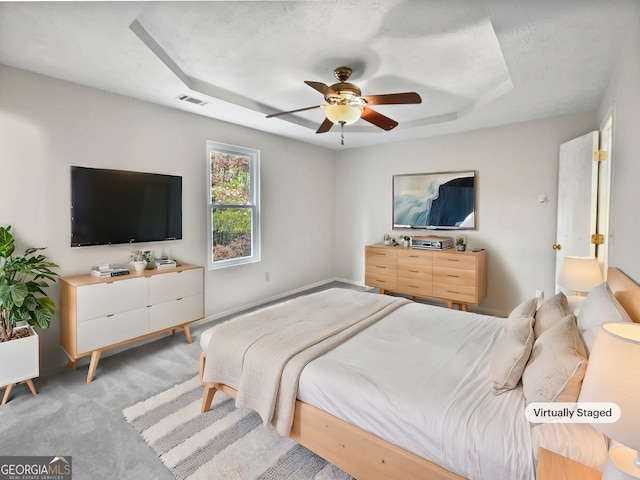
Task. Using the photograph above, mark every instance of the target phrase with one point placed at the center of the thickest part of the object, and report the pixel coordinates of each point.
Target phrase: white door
(577, 199)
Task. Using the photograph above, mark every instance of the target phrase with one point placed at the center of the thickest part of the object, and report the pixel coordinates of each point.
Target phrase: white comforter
(420, 379)
(262, 353)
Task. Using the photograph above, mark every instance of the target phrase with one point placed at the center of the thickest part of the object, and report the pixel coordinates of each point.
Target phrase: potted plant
(461, 246)
(22, 299)
(387, 239)
(140, 259)
(407, 241)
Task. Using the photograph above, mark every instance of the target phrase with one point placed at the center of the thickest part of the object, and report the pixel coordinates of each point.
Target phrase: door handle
(557, 246)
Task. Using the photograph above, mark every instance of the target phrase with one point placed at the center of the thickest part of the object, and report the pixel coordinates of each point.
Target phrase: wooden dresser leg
(449, 304)
(93, 364)
(7, 393)
(209, 392)
(187, 333)
(463, 307)
(31, 386)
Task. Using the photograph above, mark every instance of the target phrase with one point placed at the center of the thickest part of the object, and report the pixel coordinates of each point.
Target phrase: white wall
(320, 207)
(623, 98)
(46, 125)
(515, 163)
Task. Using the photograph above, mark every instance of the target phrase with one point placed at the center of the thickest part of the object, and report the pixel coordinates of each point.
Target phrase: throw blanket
(262, 354)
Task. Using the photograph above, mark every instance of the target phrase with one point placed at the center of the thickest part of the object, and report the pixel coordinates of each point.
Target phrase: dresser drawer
(454, 260)
(379, 266)
(385, 282)
(388, 254)
(419, 288)
(415, 257)
(107, 298)
(454, 276)
(181, 310)
(108, 330)
(455, 293)
(415, 271)
(171, 285)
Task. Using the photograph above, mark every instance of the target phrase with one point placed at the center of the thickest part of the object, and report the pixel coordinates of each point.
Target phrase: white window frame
(254, 169)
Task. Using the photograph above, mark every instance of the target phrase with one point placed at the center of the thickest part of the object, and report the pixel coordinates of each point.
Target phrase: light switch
(542, 198)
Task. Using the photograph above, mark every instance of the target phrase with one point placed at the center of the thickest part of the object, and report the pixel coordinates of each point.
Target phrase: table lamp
(579, 274)
(613, 375)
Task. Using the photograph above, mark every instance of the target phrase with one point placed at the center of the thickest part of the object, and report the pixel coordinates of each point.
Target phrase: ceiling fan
(345, 104)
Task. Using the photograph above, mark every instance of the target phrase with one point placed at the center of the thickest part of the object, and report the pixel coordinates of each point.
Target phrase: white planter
(139, 266)
(19, 359)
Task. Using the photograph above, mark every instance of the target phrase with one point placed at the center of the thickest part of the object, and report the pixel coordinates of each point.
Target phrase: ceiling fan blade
(325, 126)
(378, 119)
(293, 111)
(321, 87)
(393, 99)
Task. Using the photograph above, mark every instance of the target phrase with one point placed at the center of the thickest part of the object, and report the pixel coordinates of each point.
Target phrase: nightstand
(552, 466)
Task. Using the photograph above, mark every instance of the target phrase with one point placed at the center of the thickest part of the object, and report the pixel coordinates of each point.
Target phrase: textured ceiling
(475, 64)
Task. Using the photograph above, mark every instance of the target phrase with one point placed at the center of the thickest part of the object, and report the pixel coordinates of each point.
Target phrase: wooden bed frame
(363, 455)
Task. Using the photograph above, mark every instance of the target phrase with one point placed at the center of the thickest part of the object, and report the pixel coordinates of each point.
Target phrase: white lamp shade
(579, 274)
(622, 464)
(343, 113)
(613, 375)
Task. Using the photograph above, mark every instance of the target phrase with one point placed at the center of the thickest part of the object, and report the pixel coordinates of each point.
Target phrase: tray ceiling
(475, 64)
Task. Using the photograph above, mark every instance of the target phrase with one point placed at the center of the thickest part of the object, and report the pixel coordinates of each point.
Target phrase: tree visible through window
(233, 205)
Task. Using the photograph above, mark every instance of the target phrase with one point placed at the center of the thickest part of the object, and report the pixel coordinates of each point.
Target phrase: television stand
(99, 314)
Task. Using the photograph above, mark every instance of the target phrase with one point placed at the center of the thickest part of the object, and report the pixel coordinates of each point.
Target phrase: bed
(409, 390)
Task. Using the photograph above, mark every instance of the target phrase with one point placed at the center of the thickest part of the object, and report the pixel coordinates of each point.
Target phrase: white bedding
(420, 379)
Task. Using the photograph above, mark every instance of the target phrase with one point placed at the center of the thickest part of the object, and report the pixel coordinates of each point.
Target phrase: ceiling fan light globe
(346, 114)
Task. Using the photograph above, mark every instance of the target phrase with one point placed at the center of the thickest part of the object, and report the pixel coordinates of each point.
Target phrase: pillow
(600, 306)
(511, 351)
(557, 364)
(550, 312)
(525, 309)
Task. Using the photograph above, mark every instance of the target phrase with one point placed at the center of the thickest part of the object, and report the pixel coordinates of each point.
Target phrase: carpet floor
(223, 444)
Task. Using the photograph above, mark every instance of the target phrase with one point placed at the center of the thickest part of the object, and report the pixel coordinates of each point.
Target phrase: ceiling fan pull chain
(342, 133)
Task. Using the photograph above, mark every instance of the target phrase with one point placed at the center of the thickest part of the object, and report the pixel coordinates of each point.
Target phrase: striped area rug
(225, 443)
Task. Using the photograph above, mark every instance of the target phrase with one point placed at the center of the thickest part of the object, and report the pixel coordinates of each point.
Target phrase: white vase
(140, 266)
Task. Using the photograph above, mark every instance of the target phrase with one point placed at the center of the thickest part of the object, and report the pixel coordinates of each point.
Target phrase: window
(234, 223)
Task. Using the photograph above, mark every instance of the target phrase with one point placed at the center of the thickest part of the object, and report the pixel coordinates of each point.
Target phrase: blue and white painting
(443, 200)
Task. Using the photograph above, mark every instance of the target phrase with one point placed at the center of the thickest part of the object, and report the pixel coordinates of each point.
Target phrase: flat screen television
(436, 201)
(118, 206)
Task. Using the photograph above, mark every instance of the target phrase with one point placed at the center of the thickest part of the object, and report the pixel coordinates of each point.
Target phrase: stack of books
(165, 264)
(109, 270)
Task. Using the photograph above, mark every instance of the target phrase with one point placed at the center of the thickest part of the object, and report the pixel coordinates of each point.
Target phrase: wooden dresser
(458, 278)
(98, 314)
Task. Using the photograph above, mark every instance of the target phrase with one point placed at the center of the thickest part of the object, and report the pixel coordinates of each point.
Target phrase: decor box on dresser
(98, 314)
(459, 278)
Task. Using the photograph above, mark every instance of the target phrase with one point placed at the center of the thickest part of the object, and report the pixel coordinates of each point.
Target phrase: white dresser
(98, 314)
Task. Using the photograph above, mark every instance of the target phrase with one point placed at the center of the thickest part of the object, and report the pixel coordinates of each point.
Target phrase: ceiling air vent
(195, 101)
